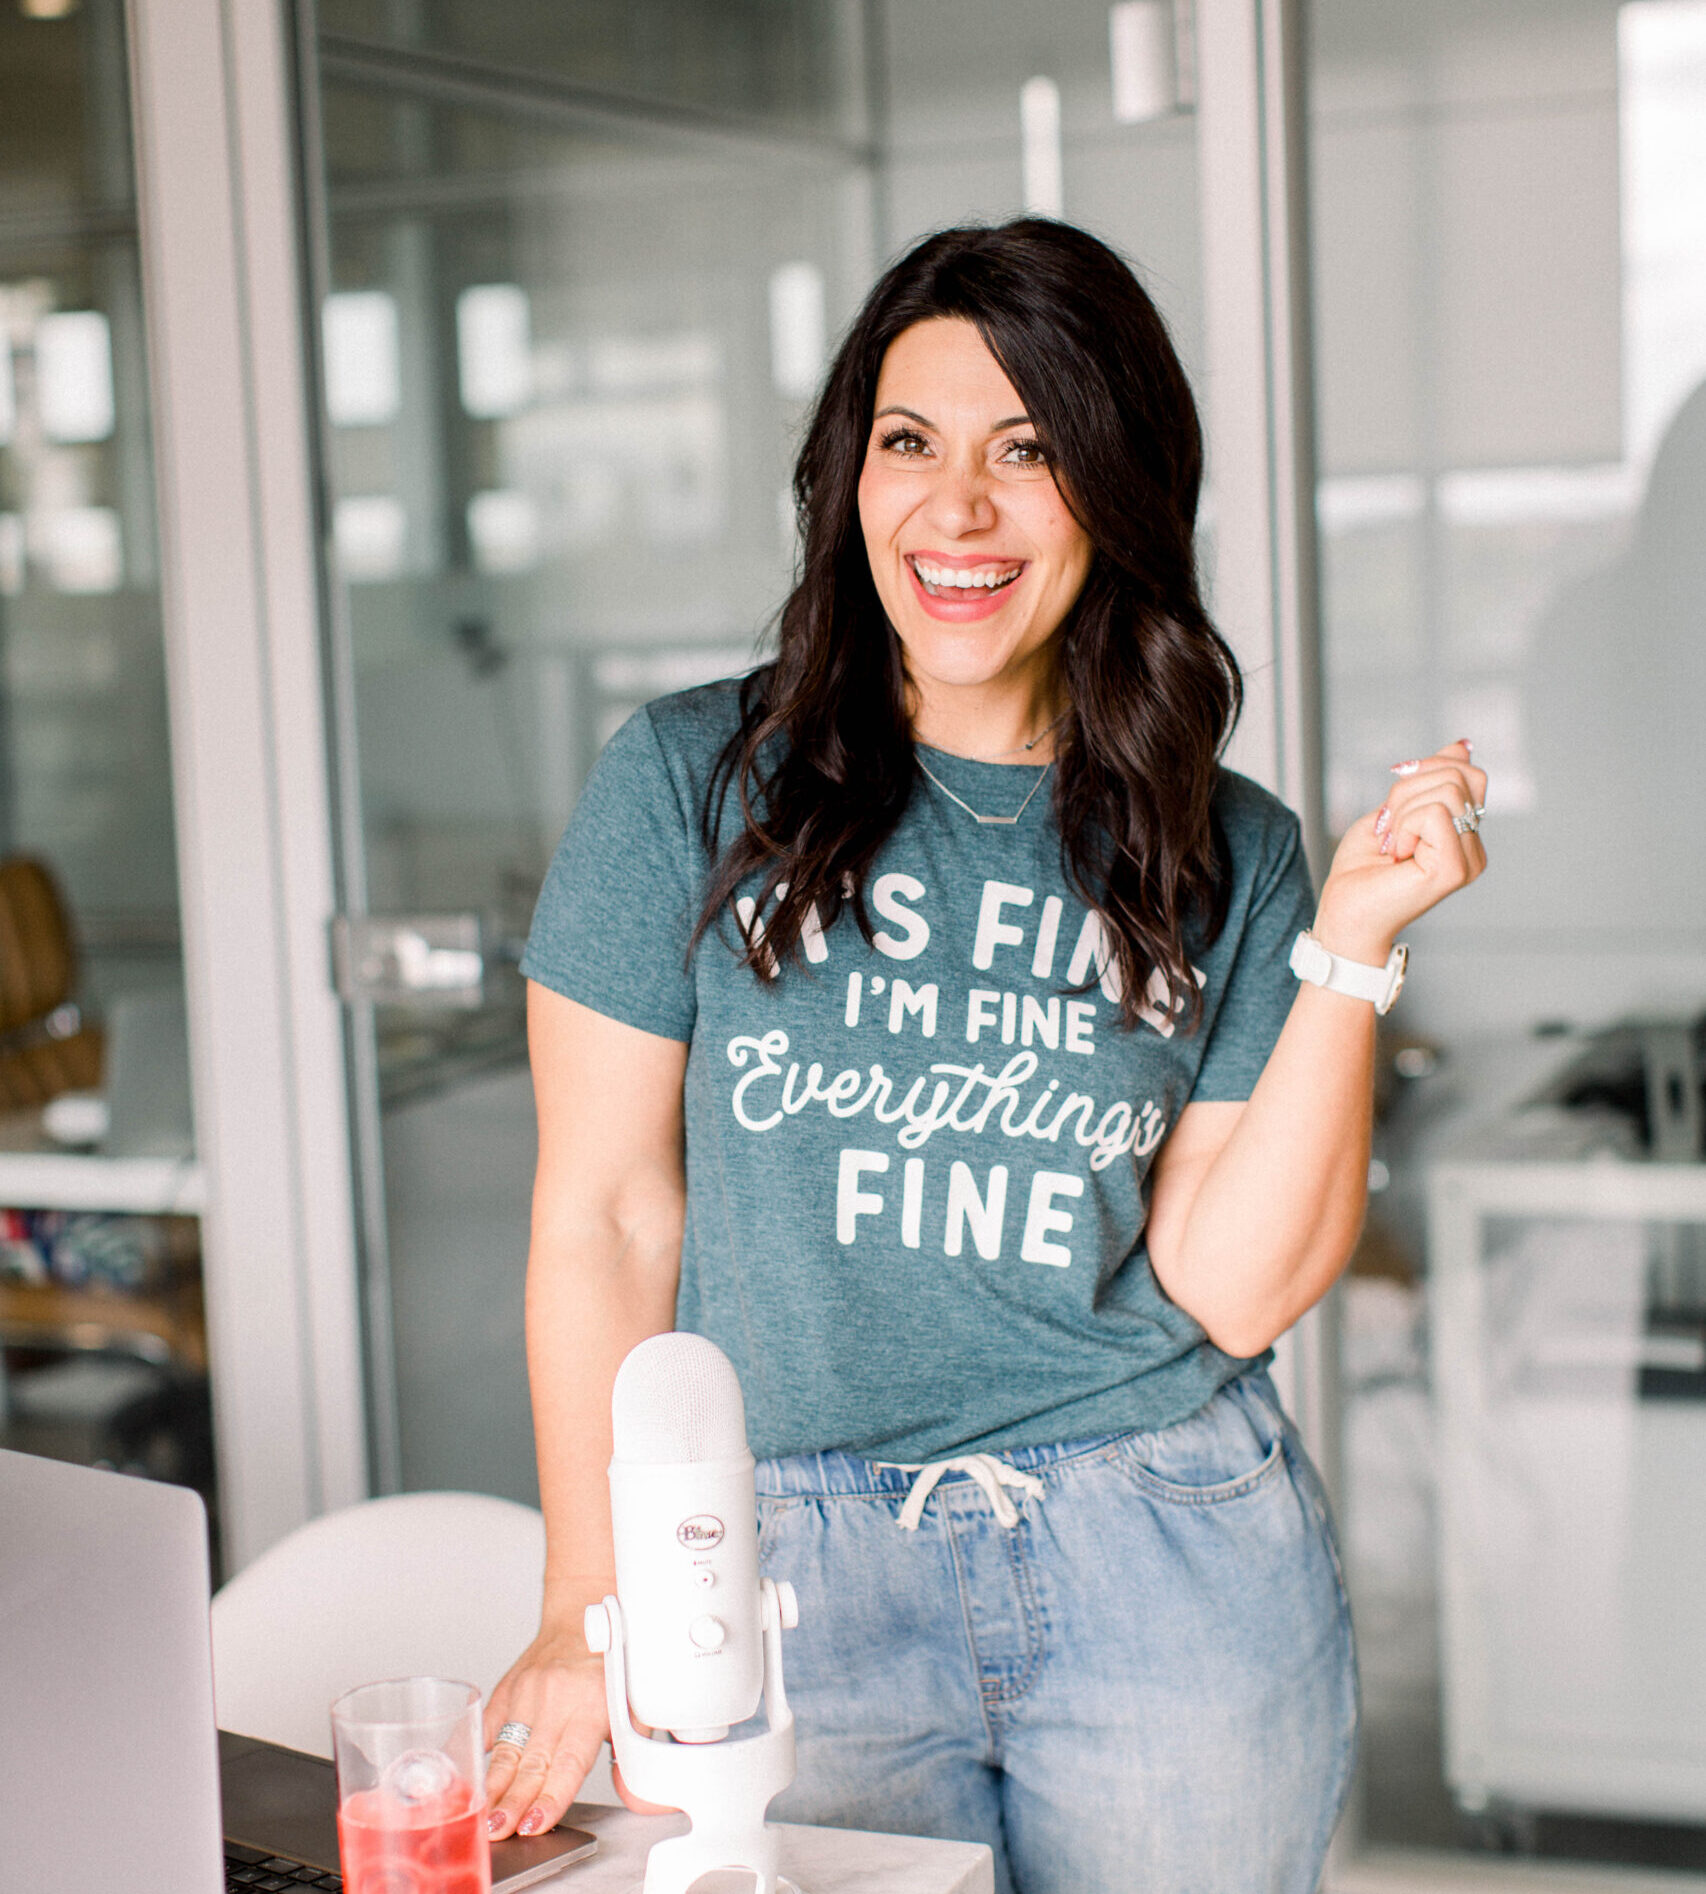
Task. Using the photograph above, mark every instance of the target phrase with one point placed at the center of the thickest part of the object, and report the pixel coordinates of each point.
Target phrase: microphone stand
(724, 1788)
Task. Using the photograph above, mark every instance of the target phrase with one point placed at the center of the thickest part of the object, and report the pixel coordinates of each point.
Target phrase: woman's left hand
(1406, 857)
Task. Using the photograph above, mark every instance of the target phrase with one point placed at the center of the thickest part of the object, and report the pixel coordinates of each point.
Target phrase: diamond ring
(1469, 822)
(516, 1735)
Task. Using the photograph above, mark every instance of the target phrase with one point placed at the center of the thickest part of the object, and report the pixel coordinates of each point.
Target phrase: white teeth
(963, 579)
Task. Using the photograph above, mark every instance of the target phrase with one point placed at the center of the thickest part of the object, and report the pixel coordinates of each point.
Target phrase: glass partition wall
(102, 1345)
(1510, 277)
(574, 272)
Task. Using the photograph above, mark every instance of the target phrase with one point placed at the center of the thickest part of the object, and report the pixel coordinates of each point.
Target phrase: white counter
(816, 1860)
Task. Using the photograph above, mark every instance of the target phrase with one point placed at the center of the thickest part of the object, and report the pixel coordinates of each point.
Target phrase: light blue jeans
(1146, 1684)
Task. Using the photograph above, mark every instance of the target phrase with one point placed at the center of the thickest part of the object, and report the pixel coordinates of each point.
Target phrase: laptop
(111, 1768)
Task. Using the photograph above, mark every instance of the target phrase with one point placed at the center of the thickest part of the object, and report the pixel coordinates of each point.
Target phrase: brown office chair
(45, 1048)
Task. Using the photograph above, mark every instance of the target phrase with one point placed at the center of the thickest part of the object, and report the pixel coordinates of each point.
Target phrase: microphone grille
(677, 1397)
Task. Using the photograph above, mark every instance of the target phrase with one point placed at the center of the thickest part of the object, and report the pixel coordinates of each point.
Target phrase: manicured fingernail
(1407, 769)
(1386, 845)
(494, 1821)
(1383, 821)
(533, 1821)
(1467, 745)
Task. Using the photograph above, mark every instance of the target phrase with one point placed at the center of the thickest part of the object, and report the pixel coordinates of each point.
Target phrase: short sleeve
(616, 913)
(1260, 984)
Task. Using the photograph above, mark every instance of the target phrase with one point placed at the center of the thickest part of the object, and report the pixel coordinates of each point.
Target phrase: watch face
(1400, 965)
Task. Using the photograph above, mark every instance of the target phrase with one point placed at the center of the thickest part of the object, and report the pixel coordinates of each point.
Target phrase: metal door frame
(214, 116)
(1251, 137)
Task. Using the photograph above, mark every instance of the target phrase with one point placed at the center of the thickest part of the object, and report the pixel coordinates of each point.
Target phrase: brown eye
(905, 442)
(1026, 453)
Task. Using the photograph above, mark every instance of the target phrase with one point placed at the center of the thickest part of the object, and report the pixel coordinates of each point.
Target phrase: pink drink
(433, 1847)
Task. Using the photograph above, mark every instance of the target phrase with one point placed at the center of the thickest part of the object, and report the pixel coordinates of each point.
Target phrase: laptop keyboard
(248, 1871)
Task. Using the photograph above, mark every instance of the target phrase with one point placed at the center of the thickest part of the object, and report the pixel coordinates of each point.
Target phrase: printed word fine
(982, 1212)
(1013, 1015)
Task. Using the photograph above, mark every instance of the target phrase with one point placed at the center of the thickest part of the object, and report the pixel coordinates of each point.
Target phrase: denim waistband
(851, 1476)
(857, 1476)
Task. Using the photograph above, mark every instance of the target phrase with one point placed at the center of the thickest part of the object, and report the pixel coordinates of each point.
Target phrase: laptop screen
(109, 1770)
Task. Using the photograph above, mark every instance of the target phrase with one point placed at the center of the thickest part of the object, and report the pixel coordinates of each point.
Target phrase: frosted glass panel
(787, 65)
(84, 764)
(103, 1346)
(956, 73)
(567, 343)
(1511, 306)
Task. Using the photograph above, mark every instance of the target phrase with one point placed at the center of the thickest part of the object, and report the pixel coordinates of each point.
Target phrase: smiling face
(975, 556)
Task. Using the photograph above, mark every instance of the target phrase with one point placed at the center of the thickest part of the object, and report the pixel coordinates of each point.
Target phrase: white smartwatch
(1312, 962)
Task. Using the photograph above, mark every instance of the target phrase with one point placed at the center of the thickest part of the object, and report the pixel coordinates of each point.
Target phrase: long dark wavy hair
(823, 762)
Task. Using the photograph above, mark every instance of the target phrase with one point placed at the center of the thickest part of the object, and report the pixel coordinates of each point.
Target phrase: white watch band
(1355, 978)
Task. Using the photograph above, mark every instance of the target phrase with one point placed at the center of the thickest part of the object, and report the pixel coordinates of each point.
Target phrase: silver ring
(1470, 820)
(517, 1735)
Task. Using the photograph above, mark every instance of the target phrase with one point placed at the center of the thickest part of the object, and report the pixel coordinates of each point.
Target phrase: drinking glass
(411, 1788)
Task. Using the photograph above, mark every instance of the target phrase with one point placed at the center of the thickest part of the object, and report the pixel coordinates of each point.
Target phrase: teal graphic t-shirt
(916, 1169)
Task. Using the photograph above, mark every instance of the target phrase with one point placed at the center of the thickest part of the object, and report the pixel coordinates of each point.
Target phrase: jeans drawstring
(990, 1473)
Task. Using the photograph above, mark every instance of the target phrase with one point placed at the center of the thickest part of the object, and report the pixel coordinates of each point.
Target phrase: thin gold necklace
(1025, 748)
(1013, 749)
(993, 821)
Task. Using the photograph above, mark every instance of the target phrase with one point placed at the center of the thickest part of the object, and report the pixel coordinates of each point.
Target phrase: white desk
(77, 1180)
(37, 1174)
(816, 1860)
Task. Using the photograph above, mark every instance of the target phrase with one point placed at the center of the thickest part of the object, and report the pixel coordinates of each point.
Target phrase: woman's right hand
(609, 1207)
(555, 1687)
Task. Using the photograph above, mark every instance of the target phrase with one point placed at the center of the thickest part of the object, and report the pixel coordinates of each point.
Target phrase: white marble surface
(816, 1860)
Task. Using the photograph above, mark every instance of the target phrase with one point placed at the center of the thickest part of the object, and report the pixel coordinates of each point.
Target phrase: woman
(914, 1019)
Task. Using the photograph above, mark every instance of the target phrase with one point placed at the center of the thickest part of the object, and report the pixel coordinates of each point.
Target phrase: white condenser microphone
(684, 1520)
(692, 1637)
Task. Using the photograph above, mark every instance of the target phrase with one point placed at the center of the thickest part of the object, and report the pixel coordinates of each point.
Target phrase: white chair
(422, 1584)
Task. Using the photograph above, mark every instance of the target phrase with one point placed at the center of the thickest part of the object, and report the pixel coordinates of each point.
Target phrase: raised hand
(1400, 860)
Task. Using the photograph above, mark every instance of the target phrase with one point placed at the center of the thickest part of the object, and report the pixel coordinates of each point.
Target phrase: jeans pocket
(1230, 1448)
(772, 1511)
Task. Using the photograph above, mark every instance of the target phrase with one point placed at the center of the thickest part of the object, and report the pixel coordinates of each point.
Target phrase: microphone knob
(597, 1628)
(708, 1633)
